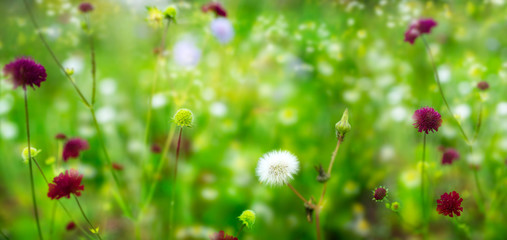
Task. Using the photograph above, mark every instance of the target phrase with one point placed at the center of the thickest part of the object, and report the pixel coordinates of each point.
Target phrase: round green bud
(170, 13)
(395, 206)
(343, 126)
(183, 118)
(247, 218)
(69, 71)
(33, 152)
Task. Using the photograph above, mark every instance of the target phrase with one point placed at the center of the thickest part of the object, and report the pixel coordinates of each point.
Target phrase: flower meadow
(226, 120)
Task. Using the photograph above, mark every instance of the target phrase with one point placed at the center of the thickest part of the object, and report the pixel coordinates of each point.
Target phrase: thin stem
(479, 122)
(479, 190)
(240, 229)
(171, 213)
(86, 218)
(297, 193)
(30, 166)
(94, 64)
(437, 79)
(40, 170)
(423, 201)
(3, 234)
(317, 223)
(340, 140)
(52, 226)
(37, 29)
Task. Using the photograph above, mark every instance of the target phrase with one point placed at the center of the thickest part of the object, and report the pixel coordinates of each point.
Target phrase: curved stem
(86, 218)
(240, 229)
(437, 79)
(34, 201)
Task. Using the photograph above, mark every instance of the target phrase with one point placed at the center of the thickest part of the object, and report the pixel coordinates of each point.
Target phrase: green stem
(437, 79)
(479, 190)
(240, 230)
(94, 64)
(30, 167)
(148, 114)
(171, 213)
(423, 200)
(3, 234)
(86, 218)
(52, 226)
(479, 122)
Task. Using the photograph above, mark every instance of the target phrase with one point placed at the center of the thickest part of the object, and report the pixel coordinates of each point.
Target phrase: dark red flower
(483, 85)
(380, 193)
(73, 147)
(70, 226)
(418, 27)
(85, 7)
(65, 184)
(24, 72)
(155, 148)
(427, 119)
(215, 7)
(449, 156)
(117, 166)
(222, 236)
(60, 136)
(450, 204)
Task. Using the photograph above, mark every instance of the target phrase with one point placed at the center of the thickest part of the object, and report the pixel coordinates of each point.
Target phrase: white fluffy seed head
(277, 168)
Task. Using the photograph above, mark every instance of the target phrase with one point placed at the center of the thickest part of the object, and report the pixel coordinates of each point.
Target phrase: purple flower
(449, 156)
(483, 85)
(450, 204)
(215, 7)
(380, 193)
(65, 184)
(85, 7)
(73, 147)
(222, 29)
(427, 119)
(419, 27)
(60, 136)
(186, 53)
(24, 71)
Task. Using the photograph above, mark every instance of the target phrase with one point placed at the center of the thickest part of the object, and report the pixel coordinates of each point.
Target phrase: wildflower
(85, 7)
(170, 13)
(449, 156)
(247, 218)
(24, 72)
(483, 85)
(215, 7)
(222, 29)
(155, 16)
(380, 193)
(343, 126)
(73, 147)
(60, 136)
(450, 204)
(33, 152)
(186, 53)
(117, 166)
(395, 206)
(418, 28)
(183, 118)
(70, 226)
(222, 236)
(65, 184)
(277, 167)
(427, 119)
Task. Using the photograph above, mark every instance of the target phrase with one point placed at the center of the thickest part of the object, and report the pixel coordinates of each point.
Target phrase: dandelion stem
(171, 213)
(298, 194)
(30, 166)
(423, 200)
(86, 218)
(437, 79)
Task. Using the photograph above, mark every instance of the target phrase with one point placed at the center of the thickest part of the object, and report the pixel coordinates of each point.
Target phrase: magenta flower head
(483, 85)
(222, 236)
(427, 119)
(73, 147)
(85, 7)
(450, 204)
(24, 72)
(70, 226)
(60, 136)
(215, 7)
(419, 27)
(450, 155)
(65, 184)
(380, 193)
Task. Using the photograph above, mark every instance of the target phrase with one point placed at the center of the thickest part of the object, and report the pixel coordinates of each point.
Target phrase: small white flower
(276, 168)
(222, 29)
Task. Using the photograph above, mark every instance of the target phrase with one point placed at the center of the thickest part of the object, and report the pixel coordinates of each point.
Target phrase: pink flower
(450, 155)
(85, 7)
(215, 7)
(222, 236)
(24, 72)
(73, 147)
(65, 184)
(427, 119)
(419, 27)
(450, 204)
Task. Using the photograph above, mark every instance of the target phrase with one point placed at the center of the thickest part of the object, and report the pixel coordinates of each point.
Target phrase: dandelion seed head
(277, 168)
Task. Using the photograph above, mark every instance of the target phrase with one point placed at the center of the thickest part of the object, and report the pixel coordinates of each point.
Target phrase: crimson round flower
(380, 193)
(70, 226)
(419, 27)
(155, 148)
(65, 184)
(449, 156)
(60, 136)
(483, 85)
(85, 7)
(24, 72)
(450, 204)
(427, 119)
(222, 236)
(215, 7)
(73, 147)
(117, 166)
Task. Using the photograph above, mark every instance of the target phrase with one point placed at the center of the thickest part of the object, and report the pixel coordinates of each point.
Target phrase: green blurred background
(281, 83)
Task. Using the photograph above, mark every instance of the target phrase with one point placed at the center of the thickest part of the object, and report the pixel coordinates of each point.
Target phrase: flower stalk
(95, 230)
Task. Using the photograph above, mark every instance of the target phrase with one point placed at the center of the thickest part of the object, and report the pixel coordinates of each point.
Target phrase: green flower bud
(183, 118)
(33, 152)
(395, 206)
(170, 13)
(69, 71)
(247, 218)
(343, 126)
